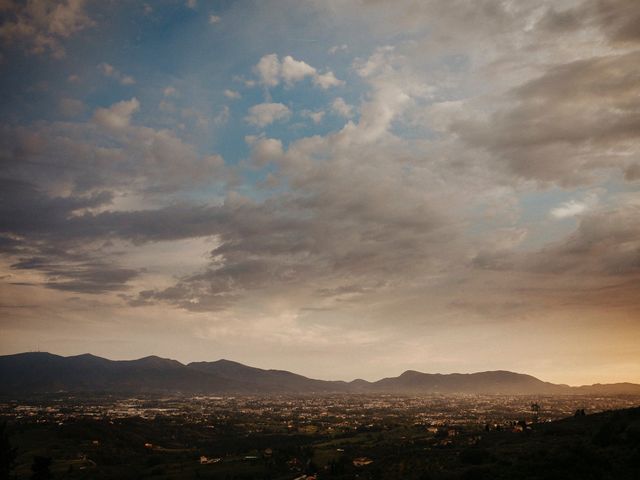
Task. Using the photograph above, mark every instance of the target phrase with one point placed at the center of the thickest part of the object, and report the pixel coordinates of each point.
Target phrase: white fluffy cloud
(316, 117)
(265, 114)
(268, 70)
(118, 115)
(342, 108)
(293, 71)
(264, 150)
(574, 208)
(271, 71)
(232, 94)
(569, 209)
(326, 80)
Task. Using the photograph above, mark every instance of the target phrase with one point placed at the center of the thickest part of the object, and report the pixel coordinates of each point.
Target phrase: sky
(340, 188)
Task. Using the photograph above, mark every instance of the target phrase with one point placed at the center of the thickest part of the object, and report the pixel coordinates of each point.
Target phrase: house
(362, 461)
(204, 460)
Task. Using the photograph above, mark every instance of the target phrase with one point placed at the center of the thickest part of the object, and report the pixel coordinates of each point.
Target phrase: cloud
(338, 48)
(561, 126)
(63, 264)
(71, 107)
(342, 108)
(268, 70)
(232, 94)
(316, 117)
(605, 245)
(107, 152)
(213, 19)
(632, 172)
(200, 120)
(327, 241)
(618, 19)
(383, 228)
(42, 26)
(265, 114)
(449, 205)
(264, 150)
(67, 222)
(118, 115)
(326, 80)
(568, 209)
(87, 277)
(271, 71)
(292, 71)
(573, 208)
(110, 71)
(326, 233)
(223, 116)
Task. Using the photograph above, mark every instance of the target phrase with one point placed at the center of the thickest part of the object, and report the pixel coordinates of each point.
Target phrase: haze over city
(344, 189)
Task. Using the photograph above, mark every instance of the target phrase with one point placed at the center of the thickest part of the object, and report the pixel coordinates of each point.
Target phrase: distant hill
(497, 382)
(272, 381)
(45, 372)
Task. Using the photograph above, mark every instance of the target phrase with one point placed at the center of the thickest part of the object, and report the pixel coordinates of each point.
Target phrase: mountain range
(40, 372)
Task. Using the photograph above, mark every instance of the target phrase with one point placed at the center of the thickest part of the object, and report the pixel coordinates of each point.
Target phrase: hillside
(46, 372)
(600, 446)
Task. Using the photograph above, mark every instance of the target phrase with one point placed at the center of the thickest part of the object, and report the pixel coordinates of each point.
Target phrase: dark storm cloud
(106, 154)
(564, 126)
(455, 18)
(605, 244)
(39, 229)
(632, 172)
(276, 242)
(8, 244)
(60, 181)
(25, 209)
(77, 276)
(62, 244)
(289, 242)
(618, 19)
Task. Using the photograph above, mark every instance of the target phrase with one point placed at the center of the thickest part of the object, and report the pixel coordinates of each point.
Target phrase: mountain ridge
(40, 372)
